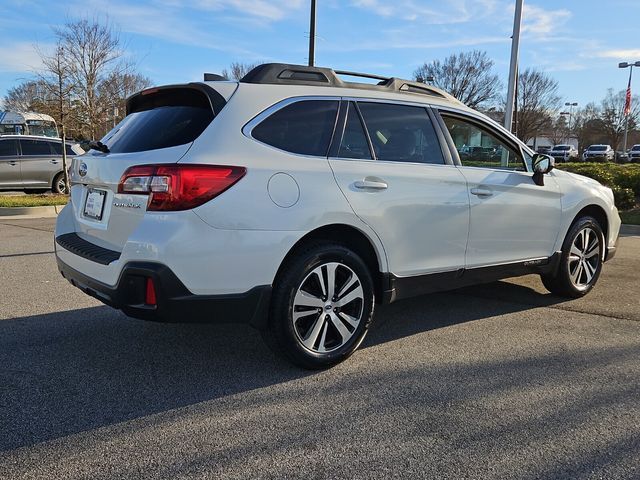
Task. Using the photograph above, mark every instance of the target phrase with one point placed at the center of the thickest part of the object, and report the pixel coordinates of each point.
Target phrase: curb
(18, 213)
(630, 229)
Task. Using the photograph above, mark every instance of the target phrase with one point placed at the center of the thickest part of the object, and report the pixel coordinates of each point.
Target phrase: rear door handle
(12, 163)
(481, 192)
(54, 161)
(368, 184)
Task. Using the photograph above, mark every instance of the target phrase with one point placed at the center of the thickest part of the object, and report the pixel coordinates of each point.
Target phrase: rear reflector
(150, 293)
(179, 187)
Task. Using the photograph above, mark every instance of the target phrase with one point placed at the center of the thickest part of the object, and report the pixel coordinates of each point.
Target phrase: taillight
(179, 187)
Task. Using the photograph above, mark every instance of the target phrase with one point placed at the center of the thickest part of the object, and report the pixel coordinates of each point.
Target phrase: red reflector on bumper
(150, 293)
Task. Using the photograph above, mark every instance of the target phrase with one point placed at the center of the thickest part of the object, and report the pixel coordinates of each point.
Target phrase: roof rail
(287, 74)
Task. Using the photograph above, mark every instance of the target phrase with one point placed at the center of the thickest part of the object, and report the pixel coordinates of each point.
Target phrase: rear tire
(580, 262)
(58, 185)
(321, 307)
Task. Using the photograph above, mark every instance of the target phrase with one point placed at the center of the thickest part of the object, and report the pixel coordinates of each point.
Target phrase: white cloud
(20, 57)
(539, 21)
(434, 13)
(631, 55)
(267, 10)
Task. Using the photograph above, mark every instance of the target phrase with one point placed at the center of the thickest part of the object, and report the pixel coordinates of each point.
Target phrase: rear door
(10, 176)
(512, 218)
(38, 162)
(390, 165)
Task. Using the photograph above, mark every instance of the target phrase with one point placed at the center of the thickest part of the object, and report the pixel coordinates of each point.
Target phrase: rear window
(401, 133)
(163, 119)
(562, 147)
(303, 127)
(35, 147)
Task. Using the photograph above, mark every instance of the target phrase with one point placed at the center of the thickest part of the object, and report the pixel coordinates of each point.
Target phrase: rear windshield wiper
(101, 147)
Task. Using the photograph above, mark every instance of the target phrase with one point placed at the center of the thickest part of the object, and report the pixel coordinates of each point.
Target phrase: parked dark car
(32, 163)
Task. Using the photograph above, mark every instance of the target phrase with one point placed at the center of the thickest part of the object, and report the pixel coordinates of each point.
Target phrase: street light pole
(312, 34)
(513, 67)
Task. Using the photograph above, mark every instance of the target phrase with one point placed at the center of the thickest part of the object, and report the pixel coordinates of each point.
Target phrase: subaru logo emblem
(83, 169)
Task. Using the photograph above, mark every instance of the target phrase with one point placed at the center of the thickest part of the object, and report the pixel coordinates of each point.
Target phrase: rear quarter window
(303, 127)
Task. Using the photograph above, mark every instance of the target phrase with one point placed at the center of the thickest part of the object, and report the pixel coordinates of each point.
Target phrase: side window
(401, 133)
(70, 150)
(56, 147)
(35, 147)
(354, 142)
(303, 127)
(479, 148)
(8, 148)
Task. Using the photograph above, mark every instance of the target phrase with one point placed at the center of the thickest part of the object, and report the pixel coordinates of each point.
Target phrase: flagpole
(627, 112)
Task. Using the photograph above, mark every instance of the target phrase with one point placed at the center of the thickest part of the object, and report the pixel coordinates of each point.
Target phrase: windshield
(562, 147)
(636, 148)
(598, 148)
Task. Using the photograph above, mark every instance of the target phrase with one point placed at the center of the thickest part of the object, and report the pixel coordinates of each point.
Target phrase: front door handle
(54, 161)
(370, 184)
(12, 163)
(481, 192)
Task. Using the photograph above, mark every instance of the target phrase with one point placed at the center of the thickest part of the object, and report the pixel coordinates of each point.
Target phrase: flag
(627, 103)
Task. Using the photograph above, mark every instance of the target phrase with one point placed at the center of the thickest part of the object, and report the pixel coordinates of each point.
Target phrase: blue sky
(579, 42)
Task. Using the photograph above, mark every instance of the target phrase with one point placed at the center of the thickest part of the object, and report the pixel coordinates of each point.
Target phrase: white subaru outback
(294, 201)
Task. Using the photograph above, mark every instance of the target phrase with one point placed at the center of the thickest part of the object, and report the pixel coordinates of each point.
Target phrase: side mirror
(541, 164)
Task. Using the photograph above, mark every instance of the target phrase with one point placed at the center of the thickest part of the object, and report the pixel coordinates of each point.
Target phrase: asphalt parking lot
(498, 381)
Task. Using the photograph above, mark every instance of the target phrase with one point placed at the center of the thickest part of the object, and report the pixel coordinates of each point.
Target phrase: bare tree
(611, 113)
(468, 76)
(538, 102)
(559, 130)
(237, 70)
(28, 96)
(92, 50)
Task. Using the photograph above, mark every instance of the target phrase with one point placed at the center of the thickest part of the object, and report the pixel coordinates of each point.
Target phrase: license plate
(94, 205)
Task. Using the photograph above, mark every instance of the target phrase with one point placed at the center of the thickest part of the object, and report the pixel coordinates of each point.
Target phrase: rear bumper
(174, 302)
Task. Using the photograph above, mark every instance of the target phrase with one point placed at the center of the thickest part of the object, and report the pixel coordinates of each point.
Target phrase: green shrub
(624, 197)
(610, 174)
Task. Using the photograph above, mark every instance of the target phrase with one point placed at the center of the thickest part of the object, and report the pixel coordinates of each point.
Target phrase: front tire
(322, 306)
(580, 262)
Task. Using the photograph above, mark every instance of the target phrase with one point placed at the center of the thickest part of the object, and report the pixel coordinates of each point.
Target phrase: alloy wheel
(584, 258)
(328, 307)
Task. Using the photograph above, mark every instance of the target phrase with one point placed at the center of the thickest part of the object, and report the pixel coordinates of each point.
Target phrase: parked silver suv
(33, 163)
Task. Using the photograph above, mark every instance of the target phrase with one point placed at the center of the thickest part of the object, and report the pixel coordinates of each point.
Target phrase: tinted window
(354, 142)
(598, 148)
(35, 147)
(302, 127)
(163, 119)
(8, 148)
(57, 148)
(478, 147)
(636, 148)
(401, 133)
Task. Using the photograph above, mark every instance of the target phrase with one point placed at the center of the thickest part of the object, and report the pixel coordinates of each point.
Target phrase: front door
(512, 218)
(394, 174)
